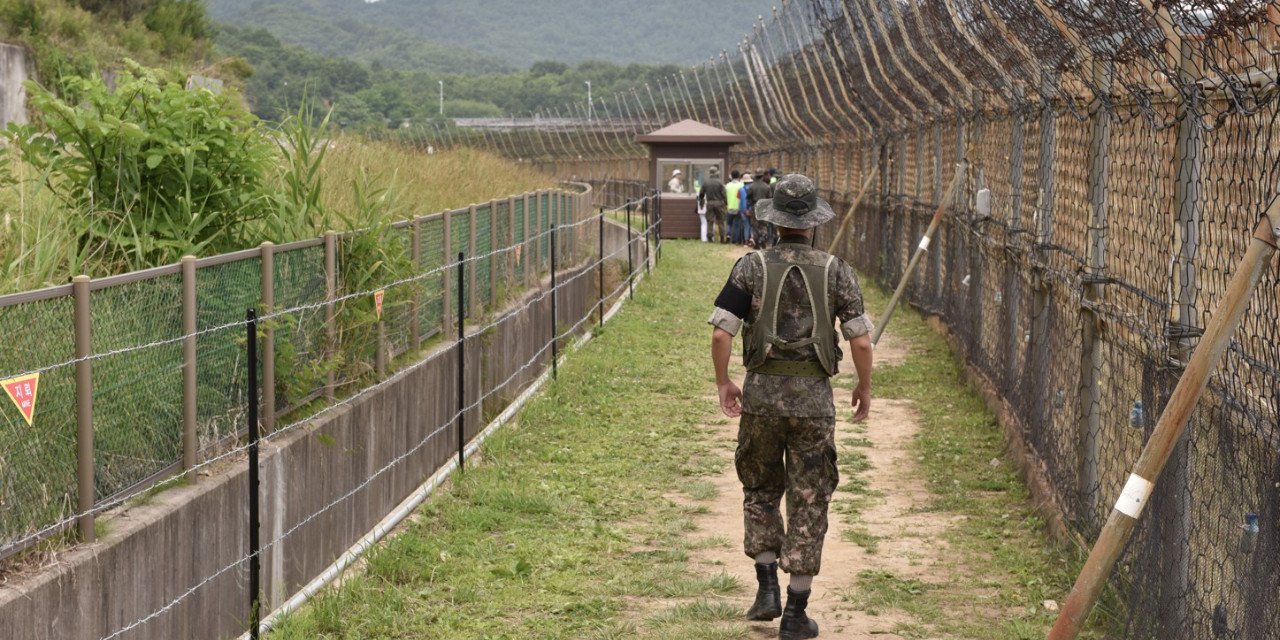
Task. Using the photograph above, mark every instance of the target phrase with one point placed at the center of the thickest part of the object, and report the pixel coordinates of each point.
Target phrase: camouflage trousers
(796, 456)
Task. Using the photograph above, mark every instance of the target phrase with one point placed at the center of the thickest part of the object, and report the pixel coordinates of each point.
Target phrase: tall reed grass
(361, 184)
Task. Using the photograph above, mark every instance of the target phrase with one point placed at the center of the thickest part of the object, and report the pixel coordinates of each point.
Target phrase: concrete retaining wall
(194, 538)
(16, 67)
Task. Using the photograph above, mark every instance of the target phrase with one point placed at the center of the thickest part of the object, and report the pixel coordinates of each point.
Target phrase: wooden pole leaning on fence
(848, 215)
(920, 251)
(1195, 378)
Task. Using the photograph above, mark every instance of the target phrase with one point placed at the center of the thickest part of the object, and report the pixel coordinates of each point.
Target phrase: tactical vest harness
(762, 335)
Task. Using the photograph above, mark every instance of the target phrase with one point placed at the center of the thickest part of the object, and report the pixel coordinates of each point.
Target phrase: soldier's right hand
(730, 399)
(861, 402)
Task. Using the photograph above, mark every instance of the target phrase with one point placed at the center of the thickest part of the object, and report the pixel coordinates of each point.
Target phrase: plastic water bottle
(1249, 537)
(1136, 414)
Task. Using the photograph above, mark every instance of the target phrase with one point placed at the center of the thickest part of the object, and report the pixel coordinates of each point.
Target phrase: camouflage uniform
(788, 419)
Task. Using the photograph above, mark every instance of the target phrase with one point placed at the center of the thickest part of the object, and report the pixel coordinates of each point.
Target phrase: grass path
(593, 517)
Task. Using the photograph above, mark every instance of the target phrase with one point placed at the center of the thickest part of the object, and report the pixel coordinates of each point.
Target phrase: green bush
(159, 170)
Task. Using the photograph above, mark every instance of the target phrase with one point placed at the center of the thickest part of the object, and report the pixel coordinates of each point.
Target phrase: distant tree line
(372, 96)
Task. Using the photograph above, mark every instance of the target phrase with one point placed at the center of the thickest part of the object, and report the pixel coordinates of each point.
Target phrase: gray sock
(800, 584)
(767, 557)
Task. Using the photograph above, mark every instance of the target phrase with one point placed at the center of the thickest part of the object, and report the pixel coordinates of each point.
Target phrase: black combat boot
(768, 604)
(795, 624)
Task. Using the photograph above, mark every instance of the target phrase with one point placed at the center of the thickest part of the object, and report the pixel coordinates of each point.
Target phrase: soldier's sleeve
(848, 303)
(734, 302)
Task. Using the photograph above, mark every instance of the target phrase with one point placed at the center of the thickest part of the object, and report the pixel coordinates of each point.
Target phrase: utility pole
(441, 96)
(590, 105)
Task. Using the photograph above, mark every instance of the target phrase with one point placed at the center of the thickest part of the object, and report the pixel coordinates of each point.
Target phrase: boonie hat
(676, 172)
(795, 204)
(746, 177)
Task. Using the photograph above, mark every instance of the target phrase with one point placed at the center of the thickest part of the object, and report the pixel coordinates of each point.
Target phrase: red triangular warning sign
(22, 390)
(377, 301)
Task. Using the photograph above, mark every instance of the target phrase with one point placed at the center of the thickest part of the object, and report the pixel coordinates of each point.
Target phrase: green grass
(565, 520)
(1003, 561)
(563, 531)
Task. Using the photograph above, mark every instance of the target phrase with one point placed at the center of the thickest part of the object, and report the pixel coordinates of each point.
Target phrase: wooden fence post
(85, 469)
(190, 439)
(268, 337)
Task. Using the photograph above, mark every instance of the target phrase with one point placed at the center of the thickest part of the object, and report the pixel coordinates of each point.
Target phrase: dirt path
(875, 522)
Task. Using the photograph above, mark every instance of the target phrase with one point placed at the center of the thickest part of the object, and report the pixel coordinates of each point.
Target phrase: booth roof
(691, 131)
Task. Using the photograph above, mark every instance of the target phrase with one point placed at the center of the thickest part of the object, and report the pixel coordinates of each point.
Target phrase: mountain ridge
(466, 35)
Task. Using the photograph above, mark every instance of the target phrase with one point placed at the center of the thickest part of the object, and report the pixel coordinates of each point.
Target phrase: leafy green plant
(298, 210)
(161, 170)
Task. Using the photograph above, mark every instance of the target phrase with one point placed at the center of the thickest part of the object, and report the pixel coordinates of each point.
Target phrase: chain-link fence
(1118, 156)
(142, 375)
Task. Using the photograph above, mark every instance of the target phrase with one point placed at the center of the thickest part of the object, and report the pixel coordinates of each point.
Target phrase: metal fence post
(462, 366)
(935, 257)
(330, 309)
(1090, 393)
(537, 244)
(657, 235)
(446, 309)
(268, 338)
(1041, 302)
(85, 469)
(493, 258)
(511, 243)
(631, 269)
(1013, 242)
(190, 439)
(415, 299)
(600, 268)
(555, 351)
(472, 266)
(649, 214)
(1173, 503)
(530, 274)
(975, 235)
(255, 559)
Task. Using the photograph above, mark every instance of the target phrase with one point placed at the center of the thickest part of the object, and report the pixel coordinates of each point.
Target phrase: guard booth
(691, 148)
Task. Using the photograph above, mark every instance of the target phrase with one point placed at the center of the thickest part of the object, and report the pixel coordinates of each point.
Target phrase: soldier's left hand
(730, 399)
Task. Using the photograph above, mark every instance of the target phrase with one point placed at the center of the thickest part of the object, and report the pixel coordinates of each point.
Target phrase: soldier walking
(789, 299)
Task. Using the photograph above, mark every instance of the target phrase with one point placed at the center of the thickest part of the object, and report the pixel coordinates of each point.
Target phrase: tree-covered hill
(475, 35)
(367, 96)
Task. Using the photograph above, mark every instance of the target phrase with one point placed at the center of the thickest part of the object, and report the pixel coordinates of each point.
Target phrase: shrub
(161, 171)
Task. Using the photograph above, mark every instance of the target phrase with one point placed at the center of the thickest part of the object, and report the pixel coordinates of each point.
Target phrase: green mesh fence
(136, 422)
(37, 462)
(302, 360)
(138, 341)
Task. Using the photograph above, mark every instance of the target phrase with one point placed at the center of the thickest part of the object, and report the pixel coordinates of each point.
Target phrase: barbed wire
(279, 432)
(533, 360)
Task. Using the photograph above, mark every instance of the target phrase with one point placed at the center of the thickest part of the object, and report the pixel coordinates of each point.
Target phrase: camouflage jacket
(740, 302)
